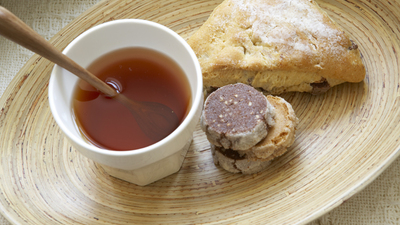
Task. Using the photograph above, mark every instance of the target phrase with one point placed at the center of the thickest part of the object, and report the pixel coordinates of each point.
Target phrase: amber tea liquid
(140, 74)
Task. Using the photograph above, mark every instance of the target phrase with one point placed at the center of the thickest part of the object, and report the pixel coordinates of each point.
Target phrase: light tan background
(378, 203)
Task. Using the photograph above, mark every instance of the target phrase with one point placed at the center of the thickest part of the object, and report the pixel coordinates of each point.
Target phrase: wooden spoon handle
(11, 27)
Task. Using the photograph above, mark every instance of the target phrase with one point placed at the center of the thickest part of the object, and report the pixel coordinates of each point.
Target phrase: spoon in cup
(156, 120)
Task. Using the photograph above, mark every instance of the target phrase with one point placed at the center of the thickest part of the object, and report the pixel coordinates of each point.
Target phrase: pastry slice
(231, 161)
(236, 117)
(279, 138)
(277, 46)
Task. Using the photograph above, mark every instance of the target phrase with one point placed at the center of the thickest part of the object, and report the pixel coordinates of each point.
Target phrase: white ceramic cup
(145, 165)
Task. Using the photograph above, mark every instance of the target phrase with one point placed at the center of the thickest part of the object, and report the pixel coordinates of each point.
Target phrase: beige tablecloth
(378, 203)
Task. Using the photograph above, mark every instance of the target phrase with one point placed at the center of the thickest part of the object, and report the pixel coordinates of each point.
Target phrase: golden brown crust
(276, 45)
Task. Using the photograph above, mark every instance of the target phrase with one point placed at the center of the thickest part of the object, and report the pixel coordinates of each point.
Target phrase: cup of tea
(146, 62)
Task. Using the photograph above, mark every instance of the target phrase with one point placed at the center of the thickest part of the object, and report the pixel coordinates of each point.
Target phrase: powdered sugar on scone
(276, 45)
(281, 22)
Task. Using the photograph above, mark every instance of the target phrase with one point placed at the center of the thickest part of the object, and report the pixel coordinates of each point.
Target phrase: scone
(236, 117)
(279, 138)
(275, 45)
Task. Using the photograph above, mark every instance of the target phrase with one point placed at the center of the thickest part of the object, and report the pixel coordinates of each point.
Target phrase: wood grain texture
(345, 139)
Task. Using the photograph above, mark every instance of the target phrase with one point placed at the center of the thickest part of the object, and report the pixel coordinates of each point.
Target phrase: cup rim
(196, 100)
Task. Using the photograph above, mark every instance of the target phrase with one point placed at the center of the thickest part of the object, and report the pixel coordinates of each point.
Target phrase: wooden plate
(346, 137)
